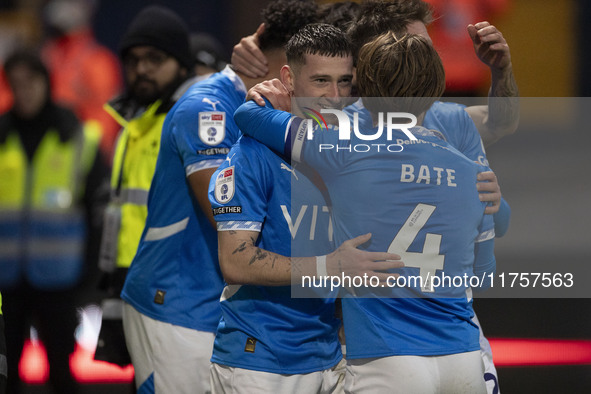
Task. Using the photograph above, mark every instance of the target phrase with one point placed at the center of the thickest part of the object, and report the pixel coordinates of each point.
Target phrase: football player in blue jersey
(422, 339)
(267, 341)
(174, 283)
(498, 119)
(461, 126)
(432, 345)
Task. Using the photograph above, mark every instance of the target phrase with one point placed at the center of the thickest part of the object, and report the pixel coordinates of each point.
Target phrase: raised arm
(247, 56)
(274, 91)
(501, 116)
(265, 124)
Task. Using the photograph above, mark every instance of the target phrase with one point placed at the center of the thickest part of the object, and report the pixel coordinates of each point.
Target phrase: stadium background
(543, 171)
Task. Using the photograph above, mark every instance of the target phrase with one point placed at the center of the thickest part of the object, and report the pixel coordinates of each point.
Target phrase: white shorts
(231, 380)
(455, 374)
(490, 372)
(167, 358)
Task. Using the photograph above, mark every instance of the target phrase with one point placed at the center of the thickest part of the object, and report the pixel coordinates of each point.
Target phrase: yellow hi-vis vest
(134, 164)
(42, 227)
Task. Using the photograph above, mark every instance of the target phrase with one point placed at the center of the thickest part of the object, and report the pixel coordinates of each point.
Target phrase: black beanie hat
(159, 27)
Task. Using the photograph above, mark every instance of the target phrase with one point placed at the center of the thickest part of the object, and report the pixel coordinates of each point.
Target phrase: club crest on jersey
(224, 185)
(212, 127)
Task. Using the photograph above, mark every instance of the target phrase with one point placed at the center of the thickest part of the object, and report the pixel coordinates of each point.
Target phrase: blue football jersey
(175, 275)
(450, 119)
(263, 328)
(419, 200)
(458, 129)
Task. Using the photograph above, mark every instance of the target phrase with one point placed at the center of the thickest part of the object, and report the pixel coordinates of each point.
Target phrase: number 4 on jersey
(429, 260)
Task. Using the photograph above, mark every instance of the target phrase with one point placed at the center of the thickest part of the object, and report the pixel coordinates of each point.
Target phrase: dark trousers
(54, 316)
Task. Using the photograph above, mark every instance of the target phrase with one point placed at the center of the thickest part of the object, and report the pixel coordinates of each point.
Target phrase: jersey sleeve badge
(224, 185)
(212, 127)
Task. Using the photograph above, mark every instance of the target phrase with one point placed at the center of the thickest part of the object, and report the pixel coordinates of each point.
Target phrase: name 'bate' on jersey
(420, 202)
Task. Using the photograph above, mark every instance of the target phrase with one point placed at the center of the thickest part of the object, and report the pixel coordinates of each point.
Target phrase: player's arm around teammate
(243, 262)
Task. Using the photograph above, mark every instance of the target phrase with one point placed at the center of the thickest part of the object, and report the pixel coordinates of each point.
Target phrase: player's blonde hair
(407, 67)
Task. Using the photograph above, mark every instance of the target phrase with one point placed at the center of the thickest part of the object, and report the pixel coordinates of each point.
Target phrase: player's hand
(490, 45)
(489, 191)
(274, 91)
(247, 57)
(351, 261)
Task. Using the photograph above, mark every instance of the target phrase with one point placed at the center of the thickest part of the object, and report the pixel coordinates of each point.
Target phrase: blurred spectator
(465, 75)
(208, 54)
(84, 74)
(19, 28)
(52, 193)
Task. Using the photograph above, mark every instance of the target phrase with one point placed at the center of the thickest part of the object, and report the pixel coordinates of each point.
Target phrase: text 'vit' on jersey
(212, 127)
(224, 185)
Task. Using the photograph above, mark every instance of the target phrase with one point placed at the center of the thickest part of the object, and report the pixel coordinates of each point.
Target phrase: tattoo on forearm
(240, 248)
(505, 87)
(259, 254)
(503, 104)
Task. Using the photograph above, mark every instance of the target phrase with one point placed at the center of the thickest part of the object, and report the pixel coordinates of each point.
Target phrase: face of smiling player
(327, 79)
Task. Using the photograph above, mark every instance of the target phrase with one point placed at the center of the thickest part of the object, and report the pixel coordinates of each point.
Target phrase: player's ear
(286, 75)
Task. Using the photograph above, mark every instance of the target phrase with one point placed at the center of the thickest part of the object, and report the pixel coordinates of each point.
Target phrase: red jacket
(84, 76)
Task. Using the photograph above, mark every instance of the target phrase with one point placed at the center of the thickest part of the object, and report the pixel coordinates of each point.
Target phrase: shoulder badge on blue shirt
(212, 127)
(224, 186)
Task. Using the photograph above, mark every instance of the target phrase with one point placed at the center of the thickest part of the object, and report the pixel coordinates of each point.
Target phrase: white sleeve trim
(202, 165)
(485, 236)
(286, 134)
(239, 225)
(158, 233)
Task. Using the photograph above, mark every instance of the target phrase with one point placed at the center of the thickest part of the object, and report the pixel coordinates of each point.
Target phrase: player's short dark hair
(406, 67)
(317, 39)
(376, 17)
(283, 18)
(340, 14)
